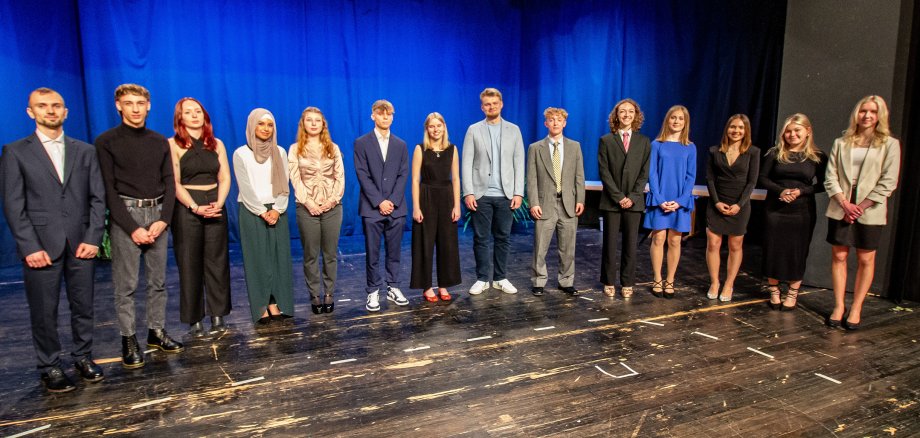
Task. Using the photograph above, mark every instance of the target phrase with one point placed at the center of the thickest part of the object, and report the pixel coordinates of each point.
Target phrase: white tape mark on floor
(704, 334)
(336, 362)
(151, 402)
(243, 382)
(481, 338)
(544, 328)
(598, 319)
(37, 429)
(632, 372)
(828, 378)
(586, 298)
(760, 352)
(652, 323)
(423, 347)
(344, 300)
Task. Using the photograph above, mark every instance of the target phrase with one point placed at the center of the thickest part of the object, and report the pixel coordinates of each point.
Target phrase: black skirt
(856, 235)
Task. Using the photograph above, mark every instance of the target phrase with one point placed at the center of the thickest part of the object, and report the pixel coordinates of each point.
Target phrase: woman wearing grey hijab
(261, 174)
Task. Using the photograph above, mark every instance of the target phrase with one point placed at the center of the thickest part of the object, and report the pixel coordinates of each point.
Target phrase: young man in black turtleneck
(140, 193)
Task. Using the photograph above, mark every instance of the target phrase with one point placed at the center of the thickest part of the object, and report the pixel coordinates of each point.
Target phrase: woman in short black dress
(862, 173)
(792, 172)
(435, 211)
(731, 175)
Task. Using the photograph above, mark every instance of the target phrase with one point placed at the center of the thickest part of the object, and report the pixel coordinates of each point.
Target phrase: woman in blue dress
(672, 172)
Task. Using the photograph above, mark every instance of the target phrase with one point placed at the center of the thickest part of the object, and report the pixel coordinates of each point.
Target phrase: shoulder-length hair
(811, 152)
(324, 137)
(684, 137)
(882, 131)
(183, 139)
(427, 143)
(745, 142)
(615, 123)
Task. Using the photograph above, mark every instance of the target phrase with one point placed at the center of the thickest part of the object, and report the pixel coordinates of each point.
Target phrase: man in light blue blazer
(382, 167)
(493, 187)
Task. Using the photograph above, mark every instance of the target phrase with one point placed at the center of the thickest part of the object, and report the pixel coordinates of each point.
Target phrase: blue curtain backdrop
(422, 55)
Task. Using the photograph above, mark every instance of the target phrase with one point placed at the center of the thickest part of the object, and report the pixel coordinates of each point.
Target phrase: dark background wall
(834, 55)
(717, 58)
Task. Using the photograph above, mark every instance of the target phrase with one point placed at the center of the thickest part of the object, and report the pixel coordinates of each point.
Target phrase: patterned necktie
(557, 167)
(626, 141)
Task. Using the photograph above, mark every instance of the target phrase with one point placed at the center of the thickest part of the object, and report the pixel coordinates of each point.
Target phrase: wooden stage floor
(491, 365)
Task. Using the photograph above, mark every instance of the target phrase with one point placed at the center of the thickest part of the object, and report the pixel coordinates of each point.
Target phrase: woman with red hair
(199, 224)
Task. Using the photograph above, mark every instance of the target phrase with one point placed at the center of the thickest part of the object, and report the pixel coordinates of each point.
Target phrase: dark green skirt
(267, 263)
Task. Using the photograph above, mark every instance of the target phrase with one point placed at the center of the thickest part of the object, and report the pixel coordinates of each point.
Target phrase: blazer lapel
(69, 158)
(545, 152)
(568, 163)
(41, 156)
(486, 139)
(846, 165)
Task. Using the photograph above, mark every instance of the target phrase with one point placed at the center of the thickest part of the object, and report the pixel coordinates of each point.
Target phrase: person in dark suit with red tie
(382, 166)
(622, 160)
(54, 202)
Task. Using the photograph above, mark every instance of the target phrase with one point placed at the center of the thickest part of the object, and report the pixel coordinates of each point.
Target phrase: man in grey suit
(556, 189)
(493, 187)
(54, 202)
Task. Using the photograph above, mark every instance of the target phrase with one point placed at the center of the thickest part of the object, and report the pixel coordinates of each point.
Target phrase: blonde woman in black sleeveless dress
(435, 211)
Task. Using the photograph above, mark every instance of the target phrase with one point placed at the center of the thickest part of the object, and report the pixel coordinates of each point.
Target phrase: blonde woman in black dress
(862, 173)
(731, 176)
(435, 211)
(792, 172)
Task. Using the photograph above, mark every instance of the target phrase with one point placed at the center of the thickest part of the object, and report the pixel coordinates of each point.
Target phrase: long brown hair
(182, 137)
(324, 137)
(615, 122)
(684, 138)
(745, 142)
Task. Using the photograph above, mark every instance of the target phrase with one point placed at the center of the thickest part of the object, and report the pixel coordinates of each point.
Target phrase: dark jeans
(126, 260)
(491, 221)
(391, 229)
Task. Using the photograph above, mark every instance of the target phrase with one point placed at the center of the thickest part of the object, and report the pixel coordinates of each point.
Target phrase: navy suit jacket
(43, 213)
(381, 180)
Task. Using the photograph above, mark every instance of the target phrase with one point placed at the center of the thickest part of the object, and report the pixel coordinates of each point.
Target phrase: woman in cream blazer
(862, 172)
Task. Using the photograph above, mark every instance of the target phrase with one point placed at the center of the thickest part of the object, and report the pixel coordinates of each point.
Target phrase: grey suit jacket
(476, 160)
(541, 183)
(43, 213)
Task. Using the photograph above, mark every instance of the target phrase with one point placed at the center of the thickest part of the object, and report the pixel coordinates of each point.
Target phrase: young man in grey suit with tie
(556, 189)
(493, 187)
(54, 202)
(382, 167)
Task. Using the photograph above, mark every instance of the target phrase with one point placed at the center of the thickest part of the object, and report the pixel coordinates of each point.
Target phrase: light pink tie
(626, 141)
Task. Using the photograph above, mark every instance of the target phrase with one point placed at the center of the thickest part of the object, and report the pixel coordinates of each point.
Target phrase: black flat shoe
(264, 321)
(283, 318)
(88, 370)
(570, 290)
(56, 381)
(196, 330)
(537, 291)
(218, 325)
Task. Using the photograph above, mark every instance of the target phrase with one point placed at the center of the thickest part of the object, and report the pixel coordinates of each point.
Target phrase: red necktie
(626, 141)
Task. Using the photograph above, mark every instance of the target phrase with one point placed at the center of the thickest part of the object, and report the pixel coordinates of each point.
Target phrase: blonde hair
(134, 89)
(551, 112)
(882, 131)
(490, 92)
(427, 143)
(324, 137)
(383, 105)
(615, 123)
(684, 137)
(782, 149)
(745, 142)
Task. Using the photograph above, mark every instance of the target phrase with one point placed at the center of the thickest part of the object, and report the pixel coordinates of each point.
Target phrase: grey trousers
(555, 220)
(320, 234)
(126, 257)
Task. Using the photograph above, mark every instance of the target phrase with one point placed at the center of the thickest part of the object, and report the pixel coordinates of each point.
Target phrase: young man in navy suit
(382, 166)
(54, 202)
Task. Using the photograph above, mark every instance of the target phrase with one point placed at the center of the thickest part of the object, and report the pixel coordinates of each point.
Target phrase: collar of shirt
(45, 139)
(380, 137)
(622, 131)
(555, 140)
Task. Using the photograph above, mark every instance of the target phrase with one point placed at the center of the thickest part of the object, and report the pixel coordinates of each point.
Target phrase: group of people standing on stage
(56, 190)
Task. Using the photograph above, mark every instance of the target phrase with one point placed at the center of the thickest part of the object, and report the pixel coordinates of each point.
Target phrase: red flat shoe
(431, 298)
(444, 295)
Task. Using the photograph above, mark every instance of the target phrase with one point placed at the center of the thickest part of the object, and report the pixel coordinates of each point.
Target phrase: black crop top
(198, 166)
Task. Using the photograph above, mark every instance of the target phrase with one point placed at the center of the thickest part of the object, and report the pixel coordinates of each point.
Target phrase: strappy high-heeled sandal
(773, 290)
(658, 288)
(668, 289)
(791, 294)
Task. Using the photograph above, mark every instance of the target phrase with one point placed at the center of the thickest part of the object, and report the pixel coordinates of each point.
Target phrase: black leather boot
(196, 330)
(218, 325)
(157, 338)
(131, 355)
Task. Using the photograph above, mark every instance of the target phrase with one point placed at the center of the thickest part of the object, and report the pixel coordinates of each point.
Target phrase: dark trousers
(391, 228)
(628, 223)
(320, 234)
(200, 246)
(43, 293)
(491, 221)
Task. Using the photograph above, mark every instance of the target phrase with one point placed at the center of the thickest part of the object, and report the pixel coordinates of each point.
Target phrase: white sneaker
(479, 287)
(395, 295)
(373, 302)
(505, 286)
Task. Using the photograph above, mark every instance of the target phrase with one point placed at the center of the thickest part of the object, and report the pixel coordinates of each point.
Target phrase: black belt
(134, 202)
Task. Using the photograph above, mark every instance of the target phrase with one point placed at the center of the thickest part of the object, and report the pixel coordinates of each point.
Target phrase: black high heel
(774, 291)
(328, 303)
(794, 295)
(316, 308)
(668, 286)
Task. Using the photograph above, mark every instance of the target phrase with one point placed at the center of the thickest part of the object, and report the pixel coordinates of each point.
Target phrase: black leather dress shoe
(283, 318)
(56, 381)
(131, 355)
(88, 370)
(196, 330)
(264, 321)
(536, 291)
(157, 338)
(569, 290)
(218, 325)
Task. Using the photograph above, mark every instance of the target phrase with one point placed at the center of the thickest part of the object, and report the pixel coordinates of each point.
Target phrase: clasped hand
(669, 206)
